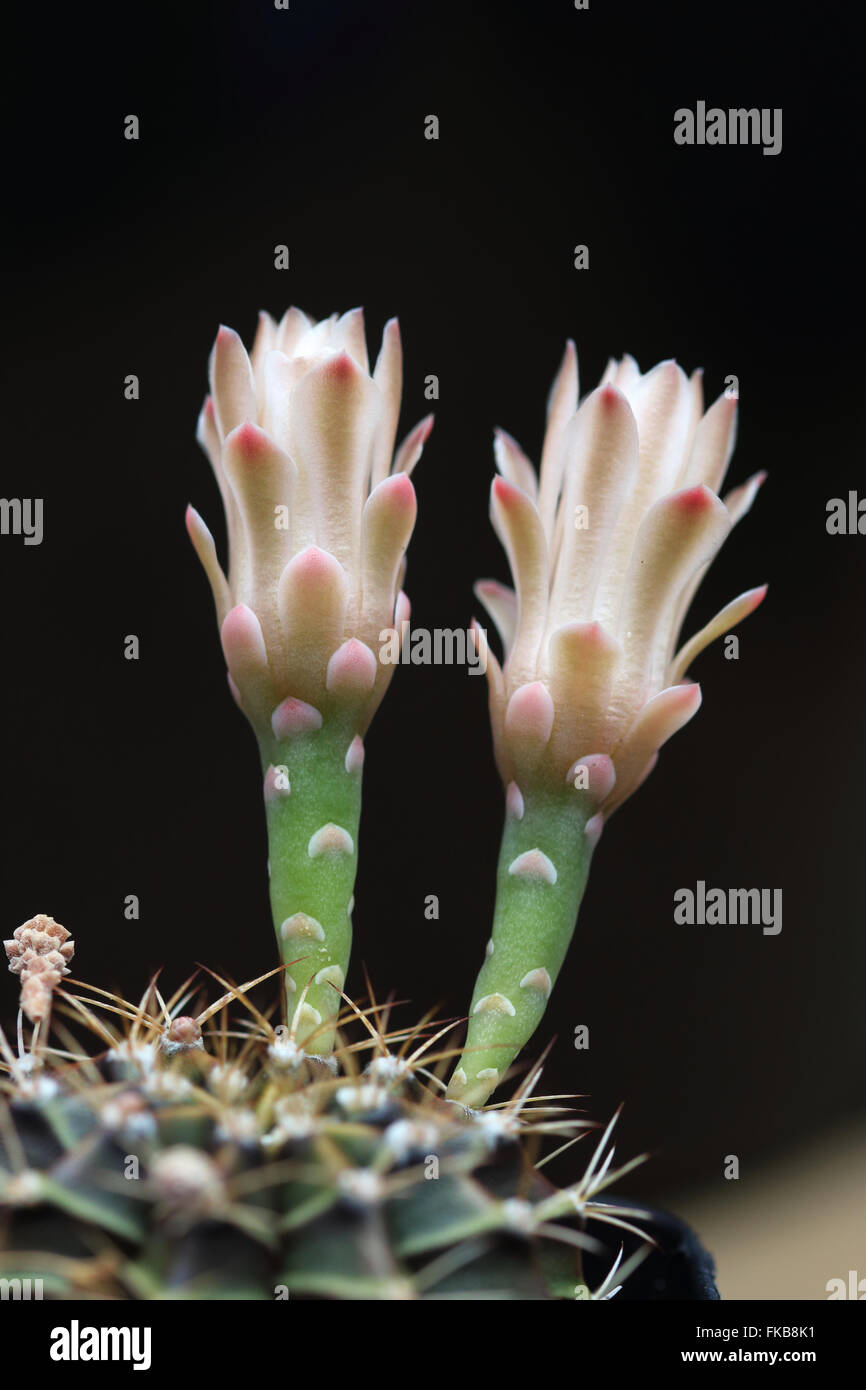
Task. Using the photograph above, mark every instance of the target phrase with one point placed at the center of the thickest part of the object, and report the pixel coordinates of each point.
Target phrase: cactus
(182, 1163)
(157, 1150)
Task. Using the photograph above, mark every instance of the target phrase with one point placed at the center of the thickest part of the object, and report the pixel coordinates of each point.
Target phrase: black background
(307, 127)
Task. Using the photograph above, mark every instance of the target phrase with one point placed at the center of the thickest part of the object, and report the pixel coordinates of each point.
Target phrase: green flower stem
(532, 927)
(313, 842)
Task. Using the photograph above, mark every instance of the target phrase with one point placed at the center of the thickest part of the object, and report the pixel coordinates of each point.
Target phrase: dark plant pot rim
(678, 1268)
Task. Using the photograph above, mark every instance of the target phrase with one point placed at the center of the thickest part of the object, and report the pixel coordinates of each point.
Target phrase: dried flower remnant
(39, 951)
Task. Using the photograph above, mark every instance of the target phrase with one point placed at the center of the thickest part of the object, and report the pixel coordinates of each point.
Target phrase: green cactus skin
(313, 843)
(532, 928)
(184, 1170)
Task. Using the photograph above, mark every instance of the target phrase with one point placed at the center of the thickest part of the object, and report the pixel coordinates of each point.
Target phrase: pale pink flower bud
(319, 511)
(607, 546)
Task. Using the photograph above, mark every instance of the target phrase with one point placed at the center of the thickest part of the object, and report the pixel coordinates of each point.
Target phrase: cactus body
(179, 1164)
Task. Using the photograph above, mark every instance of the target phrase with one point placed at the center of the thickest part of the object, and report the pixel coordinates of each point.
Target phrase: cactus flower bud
(319, 511)
(607, 546)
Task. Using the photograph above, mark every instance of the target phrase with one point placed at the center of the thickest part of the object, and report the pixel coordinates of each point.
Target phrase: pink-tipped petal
(349, 335)
(334, 414)
(386, 526)
(662, 405)
(601, 446)
(264, 342)
(627, 373)
(208, 437)
(317, 340)
(207, 433)
(595, 775)
(352, 670)
(519, 526)
(246, 657)
(583, 660)
(412, 447)
(496, 694)
(679, 534)
(293, 717)
(513, 463)
(696, 395)
(663, 716)
(311, 597)
(733, 613)
(260, 473)
(232, 384)
(561, 406)
(501, 604)
(623, 791)
(261, 477)
(205, 549)
(739, 500)
(713, 445)
(388, 376)
(243, 644)
(528, 717)
(737, 503)
(293, 326)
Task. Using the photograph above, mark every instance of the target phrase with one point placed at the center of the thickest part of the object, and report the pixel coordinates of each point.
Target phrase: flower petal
(281, 376)
(737, 503)
(582, 662)
(209, 439)
(739, 500)
(246, 656)
(602, 461)
(660, 718)
(561, 406)
(496, 694)
(333, 416)
(713, 445)
(679, 534)
(352, 671)
(293, 326)
(312, 596)
(205, 549)
(518, 525)
(733, 613)
(262, 481)
(315, 342)
(528, 725)
(513, 463)
(412, 447)
(263, 343)
(232, 385)
(622, 375)
(501, 604)
(349, 336)
(388, 376)
(387, 523)
(662, 405)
